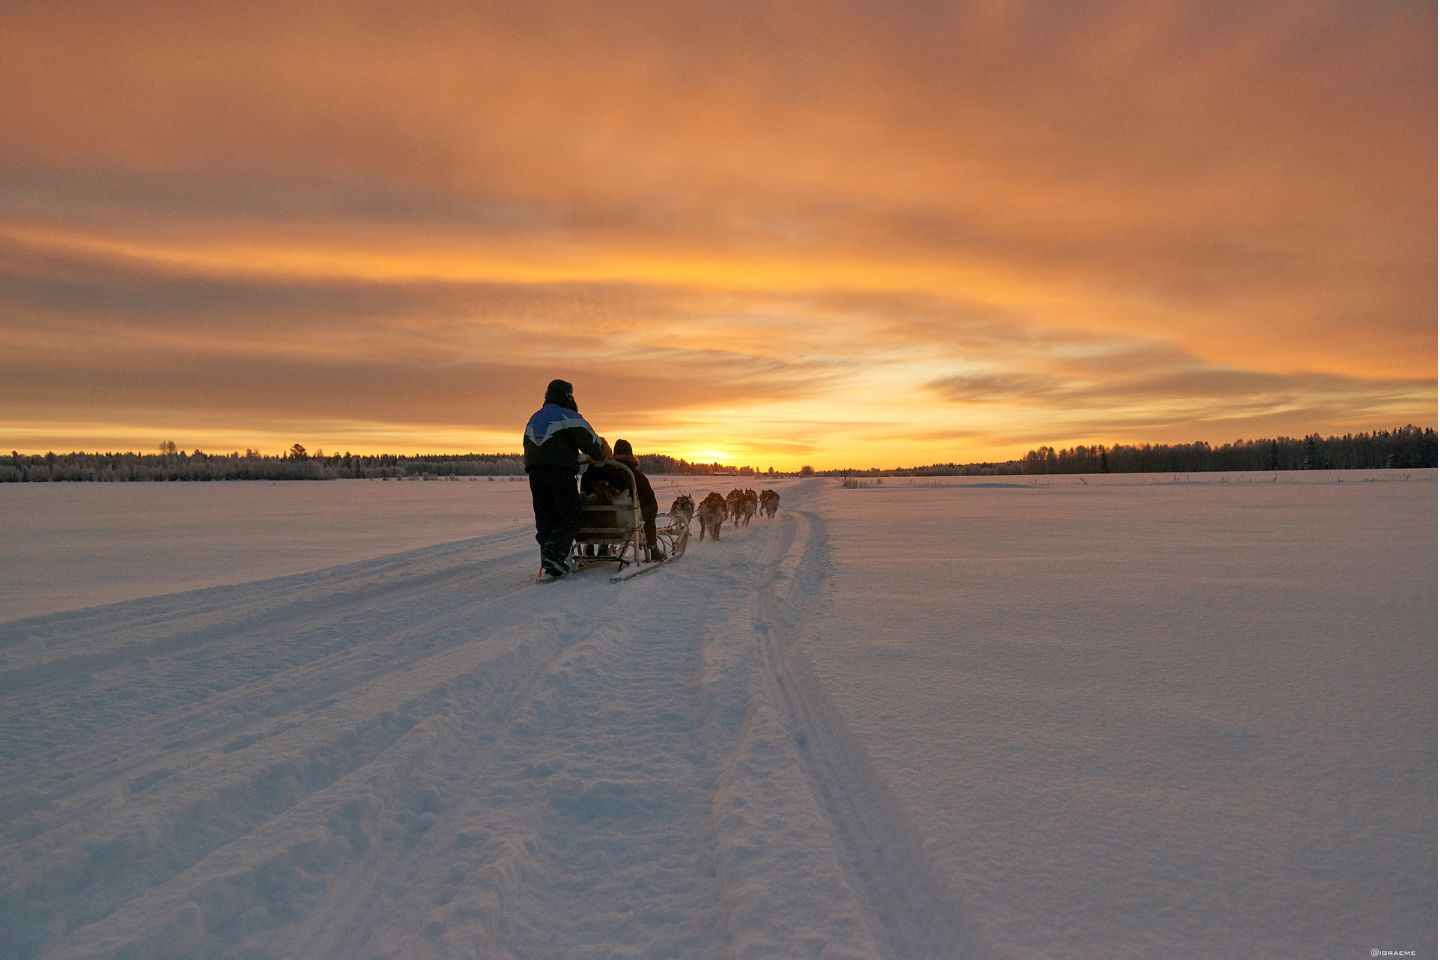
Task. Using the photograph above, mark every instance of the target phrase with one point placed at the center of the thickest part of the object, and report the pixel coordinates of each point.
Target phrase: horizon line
(320, 453)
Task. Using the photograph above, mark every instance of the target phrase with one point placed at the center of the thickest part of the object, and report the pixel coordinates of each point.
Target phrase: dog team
(739, 506)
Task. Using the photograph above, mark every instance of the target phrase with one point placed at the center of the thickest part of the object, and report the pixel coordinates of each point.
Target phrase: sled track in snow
(906, 895)
(201, 739)
(427, 755)
(324, 632)
(574, 824)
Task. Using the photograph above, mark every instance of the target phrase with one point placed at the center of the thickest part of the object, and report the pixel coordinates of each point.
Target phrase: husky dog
(745, 508)
(732, 505)
(681, 511)
(712, 515)
(769, 503)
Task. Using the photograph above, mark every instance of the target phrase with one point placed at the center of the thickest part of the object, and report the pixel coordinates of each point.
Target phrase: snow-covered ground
(1004, 717)
(70, 545)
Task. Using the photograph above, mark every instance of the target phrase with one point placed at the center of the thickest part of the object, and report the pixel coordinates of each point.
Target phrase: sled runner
(614, 532)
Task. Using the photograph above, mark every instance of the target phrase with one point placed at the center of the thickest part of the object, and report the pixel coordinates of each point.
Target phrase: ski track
(428, 755)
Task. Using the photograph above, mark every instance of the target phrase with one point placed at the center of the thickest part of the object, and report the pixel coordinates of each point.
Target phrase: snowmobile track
(906, 899)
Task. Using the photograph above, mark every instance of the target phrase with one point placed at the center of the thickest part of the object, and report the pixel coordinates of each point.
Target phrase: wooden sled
(615, 533)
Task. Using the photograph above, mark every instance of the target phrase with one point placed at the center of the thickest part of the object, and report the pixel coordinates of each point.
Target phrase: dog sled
(614, 532)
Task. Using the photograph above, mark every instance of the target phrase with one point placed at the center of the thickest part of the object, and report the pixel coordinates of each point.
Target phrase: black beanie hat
(622, 449)
(560, 391)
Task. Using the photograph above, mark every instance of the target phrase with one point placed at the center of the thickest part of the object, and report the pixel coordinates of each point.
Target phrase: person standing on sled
(555, 438)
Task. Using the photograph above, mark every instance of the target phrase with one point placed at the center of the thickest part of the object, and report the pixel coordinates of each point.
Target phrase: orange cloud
(802, 215)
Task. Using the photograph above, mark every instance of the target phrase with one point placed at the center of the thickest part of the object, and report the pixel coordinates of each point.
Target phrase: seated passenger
(648, 507)
(610, 484)
(606, 485)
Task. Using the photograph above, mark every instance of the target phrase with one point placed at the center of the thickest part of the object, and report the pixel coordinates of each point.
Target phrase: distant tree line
(659, 463)
(294, 464)
(1406, 447)
(172, 463)
(1001, 468)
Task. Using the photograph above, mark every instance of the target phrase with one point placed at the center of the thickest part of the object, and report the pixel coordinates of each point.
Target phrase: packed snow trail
(428, 755)
(1123, 718)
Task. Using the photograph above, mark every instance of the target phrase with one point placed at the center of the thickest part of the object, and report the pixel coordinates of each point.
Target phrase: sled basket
(615, 532)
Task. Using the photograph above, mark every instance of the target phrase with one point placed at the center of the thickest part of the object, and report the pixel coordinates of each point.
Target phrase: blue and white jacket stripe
(551, 419)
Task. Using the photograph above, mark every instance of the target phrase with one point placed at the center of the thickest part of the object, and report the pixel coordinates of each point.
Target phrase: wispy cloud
(828, 221)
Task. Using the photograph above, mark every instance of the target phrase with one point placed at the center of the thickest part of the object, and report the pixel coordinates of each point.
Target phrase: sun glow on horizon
(909, 235)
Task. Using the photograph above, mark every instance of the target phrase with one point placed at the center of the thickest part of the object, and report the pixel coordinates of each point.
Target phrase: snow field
(989, 717)
(427, 755)
(777, 853)
(1172, 719)
(70, 545)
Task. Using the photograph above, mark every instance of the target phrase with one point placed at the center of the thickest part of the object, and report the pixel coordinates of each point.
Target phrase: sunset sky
(842, 233)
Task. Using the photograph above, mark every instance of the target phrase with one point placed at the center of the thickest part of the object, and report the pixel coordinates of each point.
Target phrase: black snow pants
(556, 498)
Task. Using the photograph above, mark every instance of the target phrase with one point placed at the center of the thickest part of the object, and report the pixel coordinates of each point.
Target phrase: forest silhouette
(1405, 447)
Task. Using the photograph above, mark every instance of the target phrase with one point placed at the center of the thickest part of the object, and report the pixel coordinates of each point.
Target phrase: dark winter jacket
(648, 506)
(556, 436)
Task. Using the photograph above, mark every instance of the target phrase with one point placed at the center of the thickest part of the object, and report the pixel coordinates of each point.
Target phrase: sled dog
(681, 511)
(712, 514)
